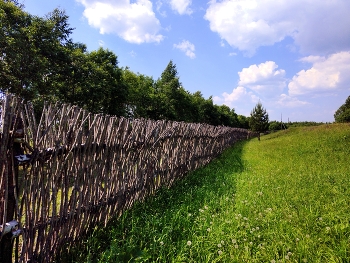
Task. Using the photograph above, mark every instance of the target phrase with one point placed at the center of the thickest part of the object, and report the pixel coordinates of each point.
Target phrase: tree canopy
(343, 113)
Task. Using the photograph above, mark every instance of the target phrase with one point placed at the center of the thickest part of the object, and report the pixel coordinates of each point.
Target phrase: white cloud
(265, 79)
(264, 82)
(181, 6)
(290, 102)
(316, 26)
(326, 74)
(134, 22)
(186, 47)
(240, 99)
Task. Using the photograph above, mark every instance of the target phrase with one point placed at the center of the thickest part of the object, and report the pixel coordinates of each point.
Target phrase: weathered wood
(85, 169)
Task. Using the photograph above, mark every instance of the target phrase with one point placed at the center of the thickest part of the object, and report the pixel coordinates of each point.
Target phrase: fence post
(7, 190)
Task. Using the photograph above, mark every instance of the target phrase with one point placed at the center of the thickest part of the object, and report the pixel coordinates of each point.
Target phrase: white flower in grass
(201, 210)
(236, 246)
(219, 245)
(222, 242)
(189, 214)
(161, 243)
(208, 229)
(189, 243)
(328, 229)
(220, 252)
(234, 241)
(205, 207)
(273, 261)
(320, 218)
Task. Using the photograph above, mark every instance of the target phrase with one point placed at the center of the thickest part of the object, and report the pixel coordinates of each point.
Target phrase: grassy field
(283, 199)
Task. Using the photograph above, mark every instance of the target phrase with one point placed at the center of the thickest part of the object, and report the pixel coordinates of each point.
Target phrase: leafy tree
(259, 119)
(32, 49)
(243, 121)
(141, 91)
(343, 113)
(169, 94)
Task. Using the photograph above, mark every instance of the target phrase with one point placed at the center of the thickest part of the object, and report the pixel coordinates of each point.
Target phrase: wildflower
(257, 228)
(201, 210)
(320, 218)
(286, 257)
(219, 245)
(161, 243)
(189, 243)
(297, 239)
(273, 261)
(211, 222)
(220, 252)
(236, 246)
(222, 242)
(328, 228)
(234, 241)
(205, 207)
(189, 214)
(208, 229)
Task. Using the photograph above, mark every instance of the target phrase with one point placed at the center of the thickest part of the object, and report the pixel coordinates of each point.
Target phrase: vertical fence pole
(7, 191)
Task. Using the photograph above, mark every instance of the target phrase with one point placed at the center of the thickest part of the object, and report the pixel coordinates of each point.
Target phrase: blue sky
(293, 56)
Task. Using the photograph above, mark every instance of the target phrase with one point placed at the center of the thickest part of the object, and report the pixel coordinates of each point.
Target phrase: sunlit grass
(283, 199)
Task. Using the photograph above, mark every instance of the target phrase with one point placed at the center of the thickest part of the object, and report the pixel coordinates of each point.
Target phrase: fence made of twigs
(74, 170)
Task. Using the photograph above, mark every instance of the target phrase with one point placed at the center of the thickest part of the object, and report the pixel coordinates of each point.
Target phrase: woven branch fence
(82, 169)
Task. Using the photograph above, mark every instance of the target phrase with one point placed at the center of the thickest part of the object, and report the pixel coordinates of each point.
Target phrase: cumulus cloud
(326, 74)
(256, 82)
(134, 22)
(317, 27)
(187, 47)
(290, 102)
(241, 99)
(265, 79)
(181, 6)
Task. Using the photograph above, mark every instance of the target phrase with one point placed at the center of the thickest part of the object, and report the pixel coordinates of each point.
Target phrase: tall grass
(283, 199)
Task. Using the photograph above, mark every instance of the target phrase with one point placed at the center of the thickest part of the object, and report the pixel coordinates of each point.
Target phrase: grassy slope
(283, 199)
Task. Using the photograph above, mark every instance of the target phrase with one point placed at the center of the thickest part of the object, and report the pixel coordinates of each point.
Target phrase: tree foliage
(40, 62)
(343, 113)
(259, 119)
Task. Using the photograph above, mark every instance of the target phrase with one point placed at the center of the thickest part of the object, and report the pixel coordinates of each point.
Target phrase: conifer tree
(259, 119)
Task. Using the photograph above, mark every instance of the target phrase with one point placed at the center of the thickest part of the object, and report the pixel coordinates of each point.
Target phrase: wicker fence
(74, 170)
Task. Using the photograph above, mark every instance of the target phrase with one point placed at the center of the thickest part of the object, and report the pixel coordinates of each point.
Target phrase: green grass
(283, 199)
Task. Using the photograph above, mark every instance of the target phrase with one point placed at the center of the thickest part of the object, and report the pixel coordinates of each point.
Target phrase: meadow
(283, 199)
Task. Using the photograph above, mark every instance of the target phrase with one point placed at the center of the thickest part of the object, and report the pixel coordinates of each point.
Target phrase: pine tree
(259, 119)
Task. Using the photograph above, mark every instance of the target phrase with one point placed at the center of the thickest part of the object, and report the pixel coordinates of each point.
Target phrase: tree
(259, 119)
(343, 113)
(32, 51)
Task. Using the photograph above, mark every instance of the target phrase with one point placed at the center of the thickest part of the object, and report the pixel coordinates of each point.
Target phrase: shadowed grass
(283, 199)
